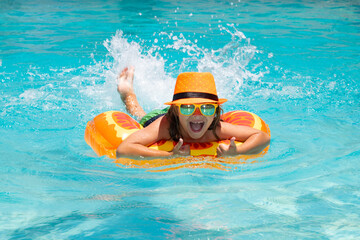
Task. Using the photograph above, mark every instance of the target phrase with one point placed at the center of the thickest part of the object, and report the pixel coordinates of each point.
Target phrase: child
(193, 116)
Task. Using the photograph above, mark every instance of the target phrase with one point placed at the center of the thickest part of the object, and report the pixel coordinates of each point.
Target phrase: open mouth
(196, 126)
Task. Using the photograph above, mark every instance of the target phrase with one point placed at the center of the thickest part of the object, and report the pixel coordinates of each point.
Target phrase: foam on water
(155, 75)
(156, 71)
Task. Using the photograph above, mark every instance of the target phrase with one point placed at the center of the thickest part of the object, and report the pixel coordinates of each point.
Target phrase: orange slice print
(199, 146)
(159, 143)
(239, 118)
(125, 121)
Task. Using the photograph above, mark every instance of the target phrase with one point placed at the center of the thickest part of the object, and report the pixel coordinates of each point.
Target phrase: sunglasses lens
(187, 109)
(207, 109)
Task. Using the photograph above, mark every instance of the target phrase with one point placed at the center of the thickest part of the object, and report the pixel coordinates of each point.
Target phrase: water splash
(158, 63)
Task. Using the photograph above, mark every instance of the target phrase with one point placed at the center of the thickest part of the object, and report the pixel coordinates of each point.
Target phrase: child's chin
(196, 135)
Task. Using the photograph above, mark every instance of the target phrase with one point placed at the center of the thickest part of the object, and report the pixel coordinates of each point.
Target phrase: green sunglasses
(207, 109)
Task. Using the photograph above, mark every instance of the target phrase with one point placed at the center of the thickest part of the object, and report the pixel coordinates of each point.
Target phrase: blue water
(295, 64)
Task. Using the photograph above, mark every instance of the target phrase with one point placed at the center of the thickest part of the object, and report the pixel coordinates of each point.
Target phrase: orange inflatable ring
(107, 130)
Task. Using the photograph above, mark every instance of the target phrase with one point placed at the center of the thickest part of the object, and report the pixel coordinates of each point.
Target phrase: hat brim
(195, 100)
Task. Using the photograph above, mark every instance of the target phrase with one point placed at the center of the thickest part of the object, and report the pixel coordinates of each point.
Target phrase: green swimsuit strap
(152, 116)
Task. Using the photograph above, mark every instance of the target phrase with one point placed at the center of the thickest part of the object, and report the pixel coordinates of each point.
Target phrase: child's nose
(197, 111)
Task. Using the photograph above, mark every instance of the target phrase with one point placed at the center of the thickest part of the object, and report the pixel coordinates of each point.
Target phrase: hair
(174, 129)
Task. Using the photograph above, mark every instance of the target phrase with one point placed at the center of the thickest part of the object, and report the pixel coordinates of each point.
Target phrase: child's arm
(254, 141)
(136, 144)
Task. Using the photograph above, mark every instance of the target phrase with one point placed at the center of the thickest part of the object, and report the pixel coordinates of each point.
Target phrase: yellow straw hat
(195, 87)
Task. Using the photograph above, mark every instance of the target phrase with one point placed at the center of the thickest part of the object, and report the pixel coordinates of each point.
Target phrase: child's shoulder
(224, 130)
(161, 126)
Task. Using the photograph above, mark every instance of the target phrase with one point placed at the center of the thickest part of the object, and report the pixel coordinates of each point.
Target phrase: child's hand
(180, 149)
(227, 150)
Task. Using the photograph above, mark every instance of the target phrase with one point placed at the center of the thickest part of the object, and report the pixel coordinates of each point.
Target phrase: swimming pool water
(295, 64)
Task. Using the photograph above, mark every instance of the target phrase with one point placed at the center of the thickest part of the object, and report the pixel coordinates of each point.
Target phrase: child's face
(194, 126)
